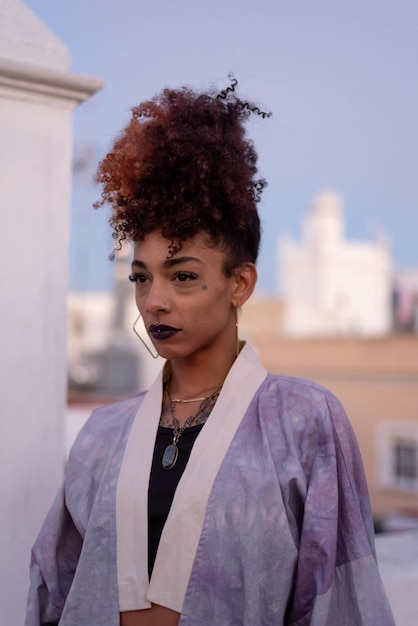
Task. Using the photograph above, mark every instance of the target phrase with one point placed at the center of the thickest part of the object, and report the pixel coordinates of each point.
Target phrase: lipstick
(161, 331)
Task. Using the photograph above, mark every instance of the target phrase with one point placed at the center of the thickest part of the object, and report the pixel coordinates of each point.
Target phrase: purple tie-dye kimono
(285, 537)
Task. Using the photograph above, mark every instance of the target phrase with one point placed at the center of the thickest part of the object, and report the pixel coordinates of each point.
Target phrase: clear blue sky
(339, 76)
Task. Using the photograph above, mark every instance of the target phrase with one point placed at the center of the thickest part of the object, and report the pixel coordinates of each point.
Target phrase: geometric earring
(154, 356)
(236, 331)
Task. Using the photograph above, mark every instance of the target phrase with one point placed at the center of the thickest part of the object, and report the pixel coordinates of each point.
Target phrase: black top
(163, 483)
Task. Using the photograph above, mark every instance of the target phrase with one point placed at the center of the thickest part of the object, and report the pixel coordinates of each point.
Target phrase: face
(187, 303)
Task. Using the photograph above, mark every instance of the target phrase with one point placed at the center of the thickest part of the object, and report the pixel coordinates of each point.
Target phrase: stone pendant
(170, 456)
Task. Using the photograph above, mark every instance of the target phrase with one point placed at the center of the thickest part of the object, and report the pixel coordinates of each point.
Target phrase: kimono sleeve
(54, 560)
(337, 579)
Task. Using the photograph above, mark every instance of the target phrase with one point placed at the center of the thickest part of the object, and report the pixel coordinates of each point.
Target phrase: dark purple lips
(160, 331)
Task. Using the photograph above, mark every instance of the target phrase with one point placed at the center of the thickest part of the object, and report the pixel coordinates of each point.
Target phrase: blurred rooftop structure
(332, 285)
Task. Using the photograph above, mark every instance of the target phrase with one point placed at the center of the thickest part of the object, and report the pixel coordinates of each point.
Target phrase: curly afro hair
(183, 165)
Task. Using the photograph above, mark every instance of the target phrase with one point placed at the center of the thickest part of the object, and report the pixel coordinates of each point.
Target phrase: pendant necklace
(171, 452)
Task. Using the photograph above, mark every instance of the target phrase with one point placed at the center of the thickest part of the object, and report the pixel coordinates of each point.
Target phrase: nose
(157, 300)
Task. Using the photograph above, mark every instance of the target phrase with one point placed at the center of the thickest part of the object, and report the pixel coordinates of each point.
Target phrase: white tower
(331, 286)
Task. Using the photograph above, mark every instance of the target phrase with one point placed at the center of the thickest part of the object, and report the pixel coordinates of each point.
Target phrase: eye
(183, 277)
(137, 278)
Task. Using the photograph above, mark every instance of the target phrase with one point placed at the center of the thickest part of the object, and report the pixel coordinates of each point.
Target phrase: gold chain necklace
(185, 400)
(171, 452)
(181, 401)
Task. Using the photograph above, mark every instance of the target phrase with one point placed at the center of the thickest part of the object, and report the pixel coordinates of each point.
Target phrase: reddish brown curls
(183, 165)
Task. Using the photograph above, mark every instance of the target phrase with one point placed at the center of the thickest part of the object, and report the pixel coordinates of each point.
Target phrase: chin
(168, 352)
(176, 352)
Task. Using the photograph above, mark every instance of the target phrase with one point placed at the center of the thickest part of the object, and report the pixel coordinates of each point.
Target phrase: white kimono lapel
(183, 527)
(132, 503)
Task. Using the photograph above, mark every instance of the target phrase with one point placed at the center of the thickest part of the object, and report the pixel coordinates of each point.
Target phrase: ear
(245, 278)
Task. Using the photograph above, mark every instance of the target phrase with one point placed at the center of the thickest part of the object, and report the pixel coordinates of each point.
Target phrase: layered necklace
(171, 452)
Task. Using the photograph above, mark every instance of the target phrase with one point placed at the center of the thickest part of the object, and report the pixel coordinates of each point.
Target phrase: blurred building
(332, 286)
(105, 358)
(405, 301)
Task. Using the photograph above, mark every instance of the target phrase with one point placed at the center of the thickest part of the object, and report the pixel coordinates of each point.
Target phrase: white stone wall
(332, 286)
(37, 98)
(35, 156)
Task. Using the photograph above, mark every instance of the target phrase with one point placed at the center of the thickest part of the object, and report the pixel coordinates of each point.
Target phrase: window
(405, 460)
(397, 453)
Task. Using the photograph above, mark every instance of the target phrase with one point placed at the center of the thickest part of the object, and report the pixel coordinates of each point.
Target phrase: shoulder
(106, 428)
(306, 413)
(299, 394)
(96, 455)
(114, 414)
(288, 393)
(297, 404)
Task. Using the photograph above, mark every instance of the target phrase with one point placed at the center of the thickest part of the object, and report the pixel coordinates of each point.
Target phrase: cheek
(215, 307)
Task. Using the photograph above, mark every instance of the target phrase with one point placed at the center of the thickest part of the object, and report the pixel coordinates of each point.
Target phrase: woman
(223, 495)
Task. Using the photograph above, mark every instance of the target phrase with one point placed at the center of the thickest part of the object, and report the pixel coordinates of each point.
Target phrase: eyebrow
(168, 262)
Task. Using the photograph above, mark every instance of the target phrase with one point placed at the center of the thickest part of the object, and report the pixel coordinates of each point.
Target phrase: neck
(199, 375)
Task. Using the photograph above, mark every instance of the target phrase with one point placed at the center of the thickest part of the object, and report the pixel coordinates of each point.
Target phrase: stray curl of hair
(183, 165)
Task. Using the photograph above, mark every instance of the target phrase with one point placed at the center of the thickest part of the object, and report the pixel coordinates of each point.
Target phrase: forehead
(155, 248)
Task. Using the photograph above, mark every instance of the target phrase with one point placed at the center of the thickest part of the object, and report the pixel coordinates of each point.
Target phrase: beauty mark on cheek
(204, 287)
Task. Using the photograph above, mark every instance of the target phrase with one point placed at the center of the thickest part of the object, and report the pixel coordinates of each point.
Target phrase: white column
(37, 97)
